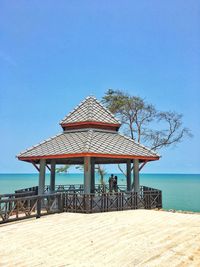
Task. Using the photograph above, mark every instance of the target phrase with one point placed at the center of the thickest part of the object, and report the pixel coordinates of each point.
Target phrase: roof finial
(92, 95)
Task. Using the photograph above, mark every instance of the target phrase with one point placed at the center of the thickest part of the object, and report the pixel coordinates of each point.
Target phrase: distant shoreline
(179, 211)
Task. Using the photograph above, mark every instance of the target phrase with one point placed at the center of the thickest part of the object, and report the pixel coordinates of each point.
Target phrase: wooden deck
(26, 203)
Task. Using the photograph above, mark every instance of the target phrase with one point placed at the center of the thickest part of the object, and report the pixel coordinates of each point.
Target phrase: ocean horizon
(179, 191)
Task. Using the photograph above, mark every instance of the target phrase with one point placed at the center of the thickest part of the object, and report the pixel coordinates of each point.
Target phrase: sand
(125, 238)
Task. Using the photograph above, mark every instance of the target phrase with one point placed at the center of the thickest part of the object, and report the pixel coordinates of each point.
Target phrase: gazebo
(90, 136)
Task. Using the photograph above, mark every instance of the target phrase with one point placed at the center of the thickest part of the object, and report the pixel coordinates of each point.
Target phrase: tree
(139, 120)
(99, 169)
(63, 168)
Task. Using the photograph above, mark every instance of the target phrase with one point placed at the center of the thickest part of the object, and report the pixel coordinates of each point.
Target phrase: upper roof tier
(90, 113)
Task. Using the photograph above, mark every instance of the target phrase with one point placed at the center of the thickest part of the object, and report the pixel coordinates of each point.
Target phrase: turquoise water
(180, 191)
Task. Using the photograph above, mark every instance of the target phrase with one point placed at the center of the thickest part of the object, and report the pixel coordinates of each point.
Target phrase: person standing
(115, 183)
(110, 181)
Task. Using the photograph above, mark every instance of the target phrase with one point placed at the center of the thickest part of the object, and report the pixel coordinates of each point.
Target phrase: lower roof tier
(88, 142)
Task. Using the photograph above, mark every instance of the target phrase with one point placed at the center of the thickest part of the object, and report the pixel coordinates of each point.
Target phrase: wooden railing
(13, 209)
(20, 206)
(73, 188)
(77, 188)
(90, 203)
(26, 190)
(17, 195)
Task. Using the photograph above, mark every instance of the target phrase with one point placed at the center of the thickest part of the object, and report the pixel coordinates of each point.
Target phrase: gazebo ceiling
(80, 161)
(72, 145)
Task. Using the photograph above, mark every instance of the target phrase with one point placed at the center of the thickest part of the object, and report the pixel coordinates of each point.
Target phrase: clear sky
(55, 53)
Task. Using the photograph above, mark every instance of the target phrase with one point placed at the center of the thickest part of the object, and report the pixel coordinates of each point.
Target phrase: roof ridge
(140, 145)
(88, 140)
(108, 111)
(90, 109)
(39, 144)
(71, 112)
(90, 113)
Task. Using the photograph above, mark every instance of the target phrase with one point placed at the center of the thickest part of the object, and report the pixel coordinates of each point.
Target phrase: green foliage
(80, 168)
(98, 168)
(115, 100)
(63, 168)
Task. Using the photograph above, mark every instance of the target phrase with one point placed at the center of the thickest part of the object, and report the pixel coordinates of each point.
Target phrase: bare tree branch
(139, 120)
(122, 171)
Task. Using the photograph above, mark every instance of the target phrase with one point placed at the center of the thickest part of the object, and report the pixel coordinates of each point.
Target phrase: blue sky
(55, 53)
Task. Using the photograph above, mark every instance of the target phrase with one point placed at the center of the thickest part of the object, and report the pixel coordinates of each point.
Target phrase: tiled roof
(90, 110)
(88, 141)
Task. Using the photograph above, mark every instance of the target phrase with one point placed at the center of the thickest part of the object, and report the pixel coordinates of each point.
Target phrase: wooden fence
(91, 203)
(78, 188)
(19, 206)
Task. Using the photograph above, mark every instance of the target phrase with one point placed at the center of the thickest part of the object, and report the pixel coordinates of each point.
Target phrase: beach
(126, 238)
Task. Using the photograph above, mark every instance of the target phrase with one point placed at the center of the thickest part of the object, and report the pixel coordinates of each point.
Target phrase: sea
(179, 191)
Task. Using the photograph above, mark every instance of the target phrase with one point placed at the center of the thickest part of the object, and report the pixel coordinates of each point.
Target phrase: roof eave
(90, 123)
(97, 155)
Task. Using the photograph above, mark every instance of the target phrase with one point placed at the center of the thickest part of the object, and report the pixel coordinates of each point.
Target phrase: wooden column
(128, 175)
(41, 186)
(92, 175)
(136, 175)
(52, 175)
(87, 175)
